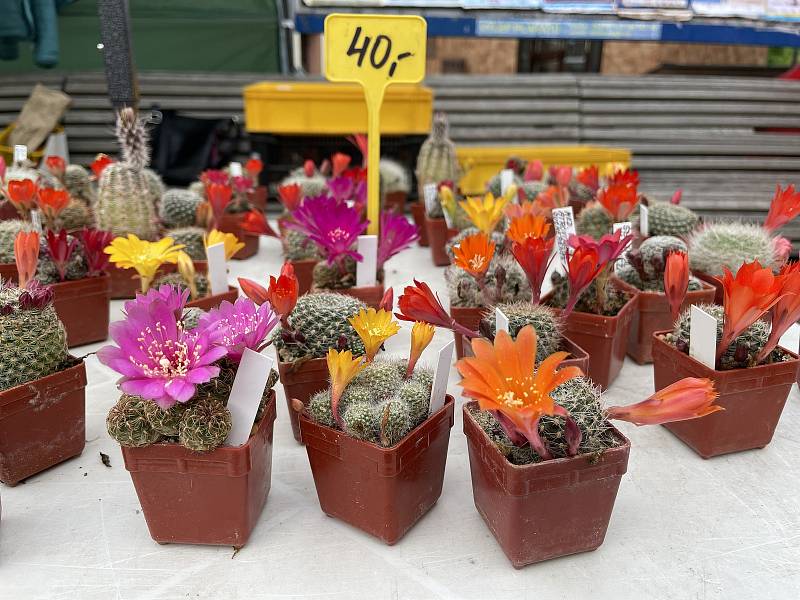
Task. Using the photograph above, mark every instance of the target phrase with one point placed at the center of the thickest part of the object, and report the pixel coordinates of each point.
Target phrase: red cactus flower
(255, 291)
(99, 163)
(582, 267)
(340, 162)
(254, 166)
(309, 167)
(387, 302)
(619, 200)
(255, 222)
(785, 207)
(609, 247)
(360, 141)
(56, 166)
(563, 175)
(689, 398)
(51, 202)
(534, 171)
(60, 249)
(786, 311)
(676, 280)
(26, 255)
(94, 242)
(283, 291)
(626, 177)
(534, 255)
(290, 196)
(419, 303)
(676, 197)
(590, 177)
(22, 194)
(219, 196)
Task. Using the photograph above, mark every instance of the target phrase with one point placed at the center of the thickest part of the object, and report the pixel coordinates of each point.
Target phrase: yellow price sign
(375, 51)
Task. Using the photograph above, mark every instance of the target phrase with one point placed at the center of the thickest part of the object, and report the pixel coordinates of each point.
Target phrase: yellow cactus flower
(186, 269)
(232, 243)
(421, 336)
(485, 213)
(143, 256)
(448, 201)
(342, 367)
(374, 327)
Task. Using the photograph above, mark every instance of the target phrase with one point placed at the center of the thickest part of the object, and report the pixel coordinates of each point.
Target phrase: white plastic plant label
(367, 269)
(20, 153)
(217, 268)
(36, 220)
(429, 193)
(564, 223)
(506, 180)
(626, 227)
(702, 337)
(644, 220)
(501, 319)
(235, 169)
(441, 376)
(248, 387)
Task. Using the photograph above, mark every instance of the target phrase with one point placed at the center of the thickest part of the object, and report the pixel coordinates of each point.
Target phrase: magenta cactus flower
(171, 295)
(397, 234)
(240, 325)
(157, 359)
(341, 188)
(333, 226)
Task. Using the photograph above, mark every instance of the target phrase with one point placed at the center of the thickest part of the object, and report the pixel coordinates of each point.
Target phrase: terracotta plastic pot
(470, 317)
(214, 300)
(42, 423)
(232, 223)
(753, 400)
(395, 201)
(83, 307)
(547, 509)
(719, 295)
(418, 214)
(578, 357)
(371, 295)
(382, 491)
(257, 197)
(653, 314)
(213, 498)
(301, 380)
(7, 211)
(304, 270)
(438, 236)
(125, 283)
(604, 338)
(8, 271)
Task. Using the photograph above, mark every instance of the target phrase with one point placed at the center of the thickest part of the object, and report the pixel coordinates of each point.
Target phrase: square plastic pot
(213, 498)
(214, 300)
(257, 197)
(382, 491)
(438, 236)
(418, 214)
(83, 307)
(371, 295)
(653, 314)
(42, 423)
(470, 317)
(719, 293)
(304, 270)
(753, 400)
(301, 380)
(125, 283)
(547, 509)
(232, 223)
(395, 201)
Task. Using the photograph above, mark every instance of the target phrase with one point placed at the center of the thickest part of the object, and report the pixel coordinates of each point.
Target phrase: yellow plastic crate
(481, 163)
(7, 152)
(321, 108)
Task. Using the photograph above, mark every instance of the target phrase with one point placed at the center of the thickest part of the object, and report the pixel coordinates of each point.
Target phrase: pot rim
(13, 394)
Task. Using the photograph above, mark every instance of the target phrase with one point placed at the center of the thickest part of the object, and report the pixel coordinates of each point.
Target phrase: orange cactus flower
(254, 166)
(534, 255)
(100, 162)
(689, 398)
(626, 177)
(283, 291)
(474, 254)
(747, 297)
(421, 336)
(590, 177)
(26, 255)
(256, 223)
(785, 207)
(22, 194)
(340, 161)
(786, 311)
(342, 368)
(290, 196)
(51, 202)
(501, 378)
(676, 280)
(56, 165)
(255, 291)
(619, 200)
(521, 228)
(525, 207)
(219, 196)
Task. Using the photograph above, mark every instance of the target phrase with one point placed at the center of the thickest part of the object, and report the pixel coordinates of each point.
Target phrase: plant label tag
(564, 222)
(506, 180)
(501, 319)
(235, 169)
(36, 220)
(367, 269)
(248, 387)
(20, 153)
(702, 337)
(626, 227)
(441, 376)
(217, 269)
(644, 220)
(430, 194)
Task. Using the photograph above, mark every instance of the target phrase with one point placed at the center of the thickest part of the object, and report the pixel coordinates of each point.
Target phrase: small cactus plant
(176, 279)
(8, 233)
(178, 208)
(76, 215)
(464, 290)
(729, 245)
(665, 218)
(192, 240)
(297, 246)
(588, 301)
(644, 266)
(76, 267)
(437, 161)
(594, 220)
(79, 184)
(394, 177)
(547, 325)
(311, 185)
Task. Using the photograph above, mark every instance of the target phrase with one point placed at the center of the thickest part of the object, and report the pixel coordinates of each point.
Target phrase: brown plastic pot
(125, 283)
(301, 380)
(257, 197)
(395, 201)
(42, 423)
(8, 272)
(7, 211)
(304, 270)
(213, 498)
(382, 491)
(469, 317)
(753, 400)
(418, 214)
(578, 357)
(214, 300)
(653, 314)
(232, 223)
(371, 295)
(83, 306)
(604, 338)
(438, 236)
(548, 509)
(719, 295)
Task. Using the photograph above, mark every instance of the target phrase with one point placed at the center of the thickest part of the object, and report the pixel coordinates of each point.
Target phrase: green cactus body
(330, 277)
(729, 245)
(128, 422)
(464, 291)
(322, 319)
(437, 159)
(361, 422)
(8, 233)
(547, 325)
(191, 317)
(178, 208)
(205, 424)
(46, 271)
(79, 184)
(192, 238)
(176, 279)
(165, 422)
(310, 187)
(75, 216)
(587, 301)
(644, 266)
(594, 221)
(665, 218)
(297, 246)
(155, 186)
(33, 342)
(394, 177)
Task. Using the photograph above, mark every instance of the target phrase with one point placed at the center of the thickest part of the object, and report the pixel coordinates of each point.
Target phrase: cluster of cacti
(497, 237)
(665, 218)
(464, 290)
(33, 341)
(310, 185)
(76, 215)
(437, 161)
(79, 184)
(76, 268)
(178, 208)
(126, 194)
(297, 246)
(380, 405)
(192, 240)
(394, 177)
(547, 325)
(201, 424)
(644, 266)
(581, 399)
(8, 232)
(593, 220)
(615, 299)
(320, 322)
(741, 353)
(334, 277)
(729, 245)
(177, 280)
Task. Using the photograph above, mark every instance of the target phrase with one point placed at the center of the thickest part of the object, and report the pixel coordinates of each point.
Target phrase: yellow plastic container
(322, 108)
(481, 163)
(7, 152)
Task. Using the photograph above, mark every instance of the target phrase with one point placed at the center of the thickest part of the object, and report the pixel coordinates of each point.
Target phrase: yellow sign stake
(375, 51)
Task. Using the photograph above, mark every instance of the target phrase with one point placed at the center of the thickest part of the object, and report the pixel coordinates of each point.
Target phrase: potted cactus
(377, 412)
(395, 183)
(298, 249)
(172, 420)
(752, 372)
(42, 387)
(659, 270)
(545, 461)
(614, 203)
(597, 311)
(257, 194)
